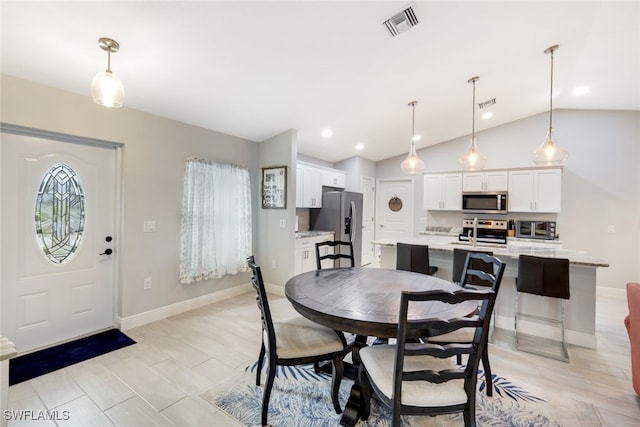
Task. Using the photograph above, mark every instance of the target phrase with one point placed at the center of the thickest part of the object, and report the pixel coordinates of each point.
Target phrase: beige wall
(153, 154)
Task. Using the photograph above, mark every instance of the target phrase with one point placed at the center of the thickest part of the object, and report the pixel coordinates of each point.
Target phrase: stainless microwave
(484, 202)
(536, 229)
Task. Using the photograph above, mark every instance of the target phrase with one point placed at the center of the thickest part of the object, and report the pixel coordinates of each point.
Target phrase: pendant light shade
(473, 159)
(106, 87)
(412, 163)
(550, 153)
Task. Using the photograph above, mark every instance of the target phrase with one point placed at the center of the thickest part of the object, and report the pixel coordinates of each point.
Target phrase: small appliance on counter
(545, 230)
(488, 231)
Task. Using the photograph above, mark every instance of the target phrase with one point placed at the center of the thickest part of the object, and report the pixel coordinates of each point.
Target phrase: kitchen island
(580, 309)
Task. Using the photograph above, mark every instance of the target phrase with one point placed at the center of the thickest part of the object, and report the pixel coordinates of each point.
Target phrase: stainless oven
(484, 202)
(536, 229)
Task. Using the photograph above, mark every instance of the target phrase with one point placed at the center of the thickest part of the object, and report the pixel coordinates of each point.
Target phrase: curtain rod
(209, 162)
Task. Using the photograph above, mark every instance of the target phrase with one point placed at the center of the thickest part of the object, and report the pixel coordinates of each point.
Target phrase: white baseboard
(154, 315)
(274, 289)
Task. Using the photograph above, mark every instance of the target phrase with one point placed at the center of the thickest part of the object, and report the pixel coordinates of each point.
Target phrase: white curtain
(216, 221)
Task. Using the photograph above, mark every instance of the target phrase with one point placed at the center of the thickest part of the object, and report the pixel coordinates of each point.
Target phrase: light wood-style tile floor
(157, 382)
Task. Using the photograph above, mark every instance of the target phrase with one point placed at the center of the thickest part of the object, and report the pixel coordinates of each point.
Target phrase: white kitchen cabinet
(485, 181)
(305, 253)
(311, 187)
(443, 192)
(309, 181)
(299, 185)
(334, 178)
(535, 190)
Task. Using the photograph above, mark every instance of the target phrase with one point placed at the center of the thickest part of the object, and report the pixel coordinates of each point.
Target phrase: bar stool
(547, 277)
(414, 258)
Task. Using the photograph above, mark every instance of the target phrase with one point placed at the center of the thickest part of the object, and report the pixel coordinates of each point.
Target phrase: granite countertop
(511, 250)
(311, 233)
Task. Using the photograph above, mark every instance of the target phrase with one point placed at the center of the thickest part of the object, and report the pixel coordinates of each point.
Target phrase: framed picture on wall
(274, 187)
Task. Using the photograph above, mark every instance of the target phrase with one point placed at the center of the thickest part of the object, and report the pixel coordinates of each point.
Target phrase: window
(216, 221)
(59, 213)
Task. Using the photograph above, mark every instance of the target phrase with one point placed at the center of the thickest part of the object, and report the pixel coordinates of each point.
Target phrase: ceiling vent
(487, 103)
(401, 21)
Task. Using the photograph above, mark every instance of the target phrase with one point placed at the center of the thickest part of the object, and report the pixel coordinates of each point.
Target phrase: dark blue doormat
(24, 368)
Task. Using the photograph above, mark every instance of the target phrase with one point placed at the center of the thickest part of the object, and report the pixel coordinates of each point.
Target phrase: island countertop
(511, 250)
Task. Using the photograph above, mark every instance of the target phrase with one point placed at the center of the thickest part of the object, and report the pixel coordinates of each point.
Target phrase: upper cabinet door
(496, 181)
(443, 192)
(485, 181)
(548, 196)
(535, 190)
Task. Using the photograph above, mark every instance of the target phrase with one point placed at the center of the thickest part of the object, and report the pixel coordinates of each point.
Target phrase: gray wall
(356, 167)
(601, 181)
(275, 242)
(153, 165)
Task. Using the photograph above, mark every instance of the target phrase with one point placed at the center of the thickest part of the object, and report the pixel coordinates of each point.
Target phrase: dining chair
(341, 250)
(421, 378)
(414, 258)
(459, 260)
(481, 270)
(544, 277)
(296, 341)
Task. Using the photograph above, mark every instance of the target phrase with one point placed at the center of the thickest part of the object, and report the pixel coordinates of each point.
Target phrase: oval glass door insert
(60, 213)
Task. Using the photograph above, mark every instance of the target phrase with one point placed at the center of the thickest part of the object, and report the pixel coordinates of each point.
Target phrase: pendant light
(412, 163)
(106, 87)
(473, 159)
(550, 152)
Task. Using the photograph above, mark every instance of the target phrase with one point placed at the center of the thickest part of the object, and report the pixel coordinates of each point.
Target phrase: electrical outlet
(273, 263)
(611, 229)
(146, 283)
(149, 226)
(283, 223)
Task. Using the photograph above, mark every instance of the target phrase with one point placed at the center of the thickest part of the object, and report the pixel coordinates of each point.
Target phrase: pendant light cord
(413, 125)
(551, 94)
(473, 111)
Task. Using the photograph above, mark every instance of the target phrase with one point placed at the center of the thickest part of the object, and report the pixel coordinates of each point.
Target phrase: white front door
(57, 227)
(368, 190)
(394, 208)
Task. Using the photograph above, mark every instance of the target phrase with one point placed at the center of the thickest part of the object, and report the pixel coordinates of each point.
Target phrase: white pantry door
(58, 210)
(368, 214)
(394, 208)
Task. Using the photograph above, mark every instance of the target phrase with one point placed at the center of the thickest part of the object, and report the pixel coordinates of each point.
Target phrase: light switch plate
(283, 223)
(149, 226)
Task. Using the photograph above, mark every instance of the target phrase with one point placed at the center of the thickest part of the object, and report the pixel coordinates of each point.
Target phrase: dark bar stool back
(414, 258)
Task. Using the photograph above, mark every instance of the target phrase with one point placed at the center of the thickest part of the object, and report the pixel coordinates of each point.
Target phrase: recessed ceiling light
(487, 115)
(359, 147)
(327, 133)
(417, 137)
(581, 90)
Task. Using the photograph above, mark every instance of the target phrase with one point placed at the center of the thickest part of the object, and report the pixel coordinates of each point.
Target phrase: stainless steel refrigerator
(341, 212)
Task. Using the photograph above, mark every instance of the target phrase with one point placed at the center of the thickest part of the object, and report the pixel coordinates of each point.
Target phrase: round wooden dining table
(366, 302)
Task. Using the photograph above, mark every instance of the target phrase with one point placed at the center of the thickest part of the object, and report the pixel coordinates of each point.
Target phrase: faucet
(473, 239)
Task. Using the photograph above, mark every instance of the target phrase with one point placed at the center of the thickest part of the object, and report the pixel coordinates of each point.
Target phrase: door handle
(107, 252)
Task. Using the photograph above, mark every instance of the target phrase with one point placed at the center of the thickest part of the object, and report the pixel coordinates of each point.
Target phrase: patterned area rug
(301, 398)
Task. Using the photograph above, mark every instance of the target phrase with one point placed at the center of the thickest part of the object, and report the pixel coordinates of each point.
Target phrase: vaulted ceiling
(256, 69)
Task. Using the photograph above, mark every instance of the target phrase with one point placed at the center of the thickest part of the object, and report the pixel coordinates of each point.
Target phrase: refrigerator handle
(353, 221)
